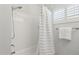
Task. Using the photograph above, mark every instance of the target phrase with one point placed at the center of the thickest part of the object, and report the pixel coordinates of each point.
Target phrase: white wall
(5, 28)
(26, 29)
(57, 6)
(66, 47)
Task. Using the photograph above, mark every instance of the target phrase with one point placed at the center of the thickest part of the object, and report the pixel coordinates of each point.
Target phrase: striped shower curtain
(45, 43)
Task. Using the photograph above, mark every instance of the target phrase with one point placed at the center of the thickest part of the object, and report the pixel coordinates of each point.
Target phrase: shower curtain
(45, 43)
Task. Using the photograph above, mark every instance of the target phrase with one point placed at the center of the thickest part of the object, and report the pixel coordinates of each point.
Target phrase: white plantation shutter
(73, 11)
(59, 14)
(67, 13)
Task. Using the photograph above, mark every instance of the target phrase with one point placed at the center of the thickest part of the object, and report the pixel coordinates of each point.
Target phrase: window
(73, 11)
(59, 14)
(69, 12)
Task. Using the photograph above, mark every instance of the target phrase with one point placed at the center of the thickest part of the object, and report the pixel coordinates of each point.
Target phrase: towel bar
(72, 28)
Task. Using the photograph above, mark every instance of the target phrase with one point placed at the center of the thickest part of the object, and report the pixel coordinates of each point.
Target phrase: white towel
(65, 33)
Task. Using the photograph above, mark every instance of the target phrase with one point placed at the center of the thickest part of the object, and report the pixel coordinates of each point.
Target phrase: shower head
(19, 7)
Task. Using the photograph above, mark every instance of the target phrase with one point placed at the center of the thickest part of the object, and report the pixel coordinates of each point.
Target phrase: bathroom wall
(26, 22)
(5, 27)
(66, 47)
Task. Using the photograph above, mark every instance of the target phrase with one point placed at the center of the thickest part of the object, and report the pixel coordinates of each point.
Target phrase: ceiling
(57, 6)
